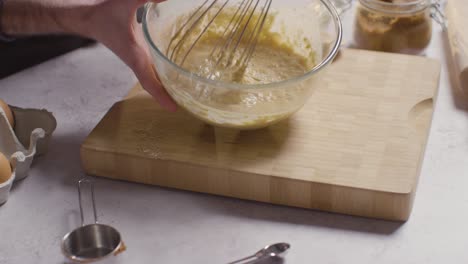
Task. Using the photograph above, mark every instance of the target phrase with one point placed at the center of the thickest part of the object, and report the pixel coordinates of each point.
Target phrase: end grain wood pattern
(355, 148)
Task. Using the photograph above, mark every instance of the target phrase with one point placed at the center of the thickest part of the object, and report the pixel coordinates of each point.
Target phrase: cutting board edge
(408, 190)
(372, 202)
(392, 54)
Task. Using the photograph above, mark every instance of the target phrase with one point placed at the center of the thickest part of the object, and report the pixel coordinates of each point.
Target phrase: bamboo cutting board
(355, 148)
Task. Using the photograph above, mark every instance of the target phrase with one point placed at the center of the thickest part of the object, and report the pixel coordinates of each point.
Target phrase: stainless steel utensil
(92, 242)
(243, 27)
(274, 250)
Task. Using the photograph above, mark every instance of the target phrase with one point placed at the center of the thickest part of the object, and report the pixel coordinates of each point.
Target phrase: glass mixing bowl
(245, 106)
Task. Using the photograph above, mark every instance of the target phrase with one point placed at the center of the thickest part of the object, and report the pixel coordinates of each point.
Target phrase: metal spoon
(274, 250)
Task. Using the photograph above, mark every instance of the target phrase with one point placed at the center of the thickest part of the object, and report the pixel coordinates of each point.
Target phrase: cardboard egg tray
(29, 138)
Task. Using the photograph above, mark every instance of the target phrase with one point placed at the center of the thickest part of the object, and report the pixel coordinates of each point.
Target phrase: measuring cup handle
(243, 259)
(91, 183)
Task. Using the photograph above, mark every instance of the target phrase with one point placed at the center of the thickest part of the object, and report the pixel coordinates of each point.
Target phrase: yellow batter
(276, 58)
(273, 60)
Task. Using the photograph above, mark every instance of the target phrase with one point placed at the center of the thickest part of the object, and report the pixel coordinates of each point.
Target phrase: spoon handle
(243, 259)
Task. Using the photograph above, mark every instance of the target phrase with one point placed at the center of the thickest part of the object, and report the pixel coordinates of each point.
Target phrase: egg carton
(29, 138)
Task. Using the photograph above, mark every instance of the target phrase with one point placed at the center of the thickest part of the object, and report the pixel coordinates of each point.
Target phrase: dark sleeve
(22, 53)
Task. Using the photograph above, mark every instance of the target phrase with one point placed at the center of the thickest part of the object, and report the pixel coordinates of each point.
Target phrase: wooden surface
(355, 148)
(457, 11)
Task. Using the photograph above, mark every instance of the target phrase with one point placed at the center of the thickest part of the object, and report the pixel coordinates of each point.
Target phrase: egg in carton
(28, 138)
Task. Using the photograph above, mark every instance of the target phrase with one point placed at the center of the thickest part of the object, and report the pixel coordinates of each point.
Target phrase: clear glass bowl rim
(329, 58)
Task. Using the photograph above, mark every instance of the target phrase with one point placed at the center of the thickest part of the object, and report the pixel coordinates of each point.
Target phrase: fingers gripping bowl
(298, 41)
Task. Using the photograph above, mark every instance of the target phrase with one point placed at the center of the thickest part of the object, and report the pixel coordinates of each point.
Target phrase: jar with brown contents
(400, 26)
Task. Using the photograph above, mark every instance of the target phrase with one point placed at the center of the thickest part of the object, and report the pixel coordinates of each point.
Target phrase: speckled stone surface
(168, 226)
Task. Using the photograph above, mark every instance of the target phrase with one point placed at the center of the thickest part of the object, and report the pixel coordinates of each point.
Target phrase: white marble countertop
(169, 226)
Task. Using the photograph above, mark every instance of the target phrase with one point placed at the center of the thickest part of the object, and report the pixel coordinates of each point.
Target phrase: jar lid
(397, 6)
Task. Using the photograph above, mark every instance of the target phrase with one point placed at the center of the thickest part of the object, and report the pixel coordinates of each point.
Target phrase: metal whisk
(236, 45)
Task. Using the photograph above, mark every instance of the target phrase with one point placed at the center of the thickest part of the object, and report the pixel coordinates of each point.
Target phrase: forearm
(32, 17)
(111, 22)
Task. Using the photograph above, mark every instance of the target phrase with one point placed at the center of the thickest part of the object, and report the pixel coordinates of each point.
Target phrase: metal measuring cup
(92, 242)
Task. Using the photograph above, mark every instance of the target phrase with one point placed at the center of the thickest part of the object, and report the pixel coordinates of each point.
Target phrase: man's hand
(111, 22)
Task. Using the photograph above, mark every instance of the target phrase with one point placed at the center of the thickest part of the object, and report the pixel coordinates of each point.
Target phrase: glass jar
(400, 26)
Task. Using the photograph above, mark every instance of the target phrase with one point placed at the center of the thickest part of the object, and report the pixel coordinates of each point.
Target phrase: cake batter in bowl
(299, 39)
